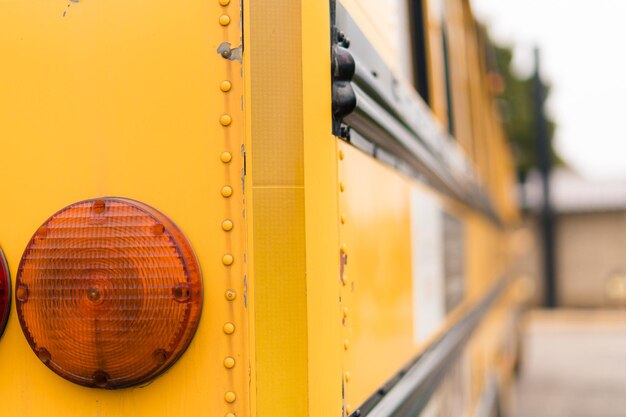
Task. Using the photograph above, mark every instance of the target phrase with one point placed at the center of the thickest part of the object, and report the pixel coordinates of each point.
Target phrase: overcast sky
(584, 58)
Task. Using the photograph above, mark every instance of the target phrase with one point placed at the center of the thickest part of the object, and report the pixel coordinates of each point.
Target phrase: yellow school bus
(251, 208)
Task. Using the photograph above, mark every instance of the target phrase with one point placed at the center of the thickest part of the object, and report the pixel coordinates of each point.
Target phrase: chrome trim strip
(489, 403)
(394, 117)
(393, 136)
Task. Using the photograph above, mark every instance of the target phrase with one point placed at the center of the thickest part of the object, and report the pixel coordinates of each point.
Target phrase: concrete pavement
(574, 365)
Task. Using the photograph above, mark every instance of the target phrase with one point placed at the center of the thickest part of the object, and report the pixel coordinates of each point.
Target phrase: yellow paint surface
(378, 291)
(291, 183)
(276, 211)
(128, 99)
(120, 98)
(322, 225)
(377, 238)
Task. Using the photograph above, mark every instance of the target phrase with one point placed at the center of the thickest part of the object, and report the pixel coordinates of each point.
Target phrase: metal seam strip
(276, 177)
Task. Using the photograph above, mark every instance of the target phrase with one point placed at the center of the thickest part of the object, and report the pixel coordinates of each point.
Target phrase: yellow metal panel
(124, 98)
(322, 222)
(292, 201)
(378, 290)
(482, 266)
(274, 69)
(376, 213)
(279, 295)
(435, 59)
(276, 208)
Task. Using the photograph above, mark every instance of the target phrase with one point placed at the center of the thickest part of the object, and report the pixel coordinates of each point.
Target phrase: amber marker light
(108, 293)
(5, 292)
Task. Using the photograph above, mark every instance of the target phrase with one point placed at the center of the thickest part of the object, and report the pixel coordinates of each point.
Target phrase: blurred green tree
(516, 98)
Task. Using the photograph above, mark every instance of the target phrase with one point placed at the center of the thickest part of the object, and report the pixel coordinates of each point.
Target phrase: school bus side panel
(291, 193)
(117, 98)
(395, 285)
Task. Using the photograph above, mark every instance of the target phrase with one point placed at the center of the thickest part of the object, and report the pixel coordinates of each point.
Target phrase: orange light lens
(108, 293)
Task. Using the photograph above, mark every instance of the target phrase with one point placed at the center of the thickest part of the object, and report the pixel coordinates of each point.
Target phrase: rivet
(159, 356)
(341, 154)
(93, 294)
(342, 187)
(226, 120)
(226, 157)
(42, 231)
(227, 191)
(348, 409)
(228, 259)
(224, 20)
(345, 312)
(230, 415)
(44, 355)
(21, 293)
(346, 344)
(229, 328)
(227, 53)
(225, 86)
(101, 379)
(344, 248)
(98, 206)
(227, 225)
(230, 397)
(230, 295)
(224, 2)
(181, 293)
(229, 362)
(343, 218)
(347, 376)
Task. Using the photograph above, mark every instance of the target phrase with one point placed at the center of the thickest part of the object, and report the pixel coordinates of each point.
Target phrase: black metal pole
(547, 217)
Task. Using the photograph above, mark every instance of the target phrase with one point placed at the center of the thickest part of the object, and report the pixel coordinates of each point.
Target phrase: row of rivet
(224, 18)
(227, 225)
(344, 281)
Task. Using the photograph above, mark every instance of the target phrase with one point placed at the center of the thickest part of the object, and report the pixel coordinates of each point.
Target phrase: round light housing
(5, 292)
(108, 293)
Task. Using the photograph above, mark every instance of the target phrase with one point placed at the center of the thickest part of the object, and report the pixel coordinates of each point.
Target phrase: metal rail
(392, 116)
(408, 393)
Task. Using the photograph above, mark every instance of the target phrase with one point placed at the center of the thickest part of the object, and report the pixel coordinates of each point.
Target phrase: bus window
(388, 27)
(420, 60)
